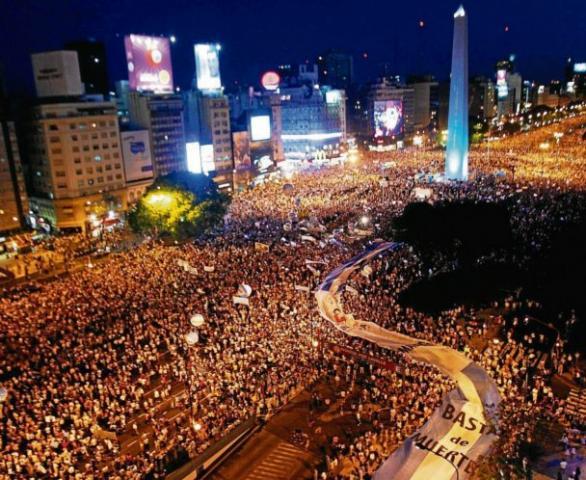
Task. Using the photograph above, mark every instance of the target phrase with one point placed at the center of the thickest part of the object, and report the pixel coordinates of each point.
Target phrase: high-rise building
(57, 74)
(215, 130)
(76, 164)
(391, 110)
(482, 98)
(250, 103)
(137, 161)
(509, 87)
(207, 122)
(13, 196)
(425, 98)
(457, 145)
(162, 115)
(313, 121)
(336, 69)
(92, 65)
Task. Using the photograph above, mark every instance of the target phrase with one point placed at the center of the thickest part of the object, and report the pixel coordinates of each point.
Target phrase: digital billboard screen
(207, 66)
(207, 158)
(501, 84)
(242, 160)
(579, 67)
(260, 128)
(193, 157)
(333, 97)
(388, 118)
(149, 63)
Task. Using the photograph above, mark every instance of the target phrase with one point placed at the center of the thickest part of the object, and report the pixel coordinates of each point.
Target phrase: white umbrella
(192, 337)
(197, 320)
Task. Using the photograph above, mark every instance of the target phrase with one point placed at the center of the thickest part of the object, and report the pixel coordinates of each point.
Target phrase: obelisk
(457, 146)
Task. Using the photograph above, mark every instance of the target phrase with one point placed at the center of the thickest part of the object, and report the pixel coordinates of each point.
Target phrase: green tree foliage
(179, 205)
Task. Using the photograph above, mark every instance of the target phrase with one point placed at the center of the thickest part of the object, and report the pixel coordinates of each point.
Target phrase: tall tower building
(457, 147)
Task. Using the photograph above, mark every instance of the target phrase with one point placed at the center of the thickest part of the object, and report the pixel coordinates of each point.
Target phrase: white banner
(449, 445)
(244, 290)
(240, 301)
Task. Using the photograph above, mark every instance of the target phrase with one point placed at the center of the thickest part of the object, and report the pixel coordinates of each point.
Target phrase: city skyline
(411, 39)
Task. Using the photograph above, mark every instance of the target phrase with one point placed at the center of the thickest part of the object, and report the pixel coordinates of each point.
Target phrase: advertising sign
(580, 67)
(149, 63)
(193, 157)
(207, 158)
(388, 118)
(501, 84)
(207, 66)
(260, 128)
(333, 97)
(57, 74)
(270, 81)
(241, 143)
(138, 163)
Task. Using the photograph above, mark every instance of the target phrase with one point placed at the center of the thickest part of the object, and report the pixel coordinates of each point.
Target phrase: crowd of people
(103, 375)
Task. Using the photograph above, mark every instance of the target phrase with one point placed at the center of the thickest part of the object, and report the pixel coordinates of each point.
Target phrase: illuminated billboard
(388, 118)
(270, 81)
(149, 63)
(207, 158)
(207, 66)
(193, 157)
(241, 143)
(580, 67)
(260, 128)
(136, 152)
(333, 97)
(501, 84)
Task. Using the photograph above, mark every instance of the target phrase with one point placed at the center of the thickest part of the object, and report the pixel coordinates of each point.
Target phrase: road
(267, 457)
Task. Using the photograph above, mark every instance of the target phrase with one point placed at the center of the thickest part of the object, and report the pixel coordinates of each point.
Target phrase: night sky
(260, 34)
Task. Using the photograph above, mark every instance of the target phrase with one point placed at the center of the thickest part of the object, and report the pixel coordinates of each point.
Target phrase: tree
(180, 205)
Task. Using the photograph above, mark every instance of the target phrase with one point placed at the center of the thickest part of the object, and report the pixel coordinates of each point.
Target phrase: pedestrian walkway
(576, 402)
(283, 463)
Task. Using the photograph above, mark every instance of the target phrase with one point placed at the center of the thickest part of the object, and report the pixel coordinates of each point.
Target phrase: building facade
(482, 99)
(313, 121)
(14, 205)
(386, 90)
(425, 98)
(163, 116)
(76, 163)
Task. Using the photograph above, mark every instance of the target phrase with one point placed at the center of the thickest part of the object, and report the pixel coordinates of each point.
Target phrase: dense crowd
(100, 381)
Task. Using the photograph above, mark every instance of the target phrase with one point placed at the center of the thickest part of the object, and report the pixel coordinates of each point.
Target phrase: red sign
(270, 80)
